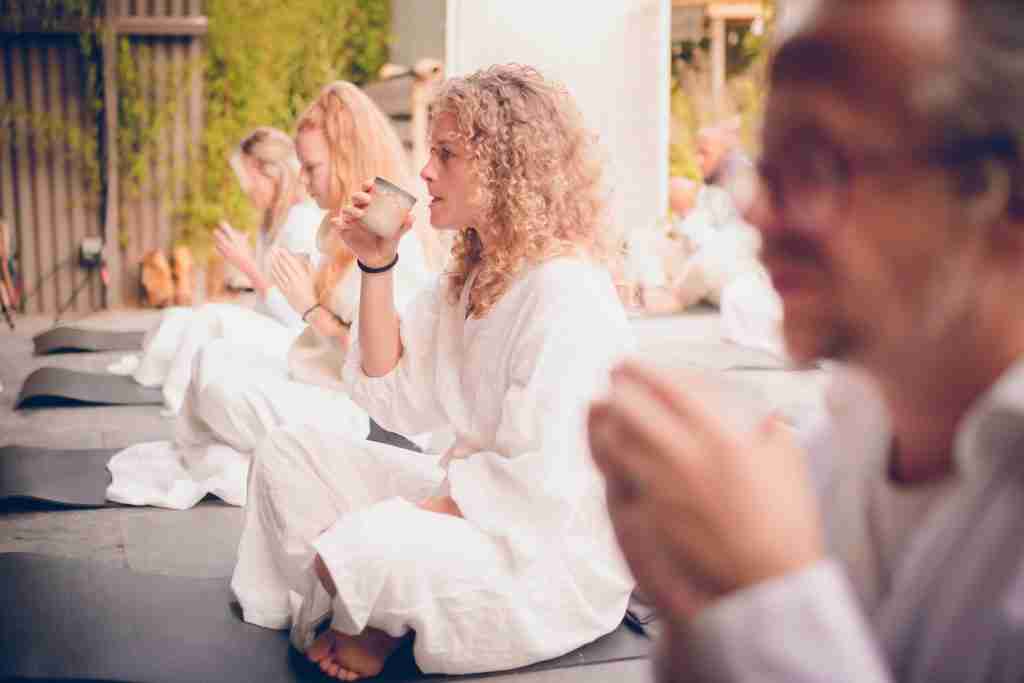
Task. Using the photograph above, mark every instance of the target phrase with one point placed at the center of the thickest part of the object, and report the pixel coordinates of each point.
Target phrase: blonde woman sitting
(500, 553)
(268, 171)
(237, 394)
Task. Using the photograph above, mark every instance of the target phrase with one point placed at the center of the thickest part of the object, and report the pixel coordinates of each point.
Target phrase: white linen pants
(397, 567)
(169, 350)
(236, 396)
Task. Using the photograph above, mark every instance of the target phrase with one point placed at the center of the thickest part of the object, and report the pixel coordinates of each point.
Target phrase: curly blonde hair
(540, 177)
(362, 144)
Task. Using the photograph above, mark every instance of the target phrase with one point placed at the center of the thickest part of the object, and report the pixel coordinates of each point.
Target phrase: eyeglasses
(811, 187)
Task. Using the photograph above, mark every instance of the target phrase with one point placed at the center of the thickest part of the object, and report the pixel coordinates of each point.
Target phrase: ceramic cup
(388, 209)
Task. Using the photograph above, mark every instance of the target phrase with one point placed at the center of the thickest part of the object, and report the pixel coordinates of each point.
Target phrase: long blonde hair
(362, 144)
(274, 151)
(540, 178)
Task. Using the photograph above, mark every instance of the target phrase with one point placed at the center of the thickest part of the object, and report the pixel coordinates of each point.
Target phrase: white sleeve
(298, 235)
(536, 479)
(804, 627)
(404, 400)
(280, 309)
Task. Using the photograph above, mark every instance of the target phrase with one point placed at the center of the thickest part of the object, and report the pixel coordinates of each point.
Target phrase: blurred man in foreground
(892, 216)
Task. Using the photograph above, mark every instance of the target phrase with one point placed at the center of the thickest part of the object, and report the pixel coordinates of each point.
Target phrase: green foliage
(50, 132)
(266, 60)
(692, 105)
(141, 119)
(50, 12)
(684, 124)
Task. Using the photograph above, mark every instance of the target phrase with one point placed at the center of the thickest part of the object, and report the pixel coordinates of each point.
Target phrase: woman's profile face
(315, 157)
(450, 178)
(258, 186)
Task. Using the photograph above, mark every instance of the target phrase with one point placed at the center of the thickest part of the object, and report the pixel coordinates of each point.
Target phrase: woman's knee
(281, 453)
(213, 364)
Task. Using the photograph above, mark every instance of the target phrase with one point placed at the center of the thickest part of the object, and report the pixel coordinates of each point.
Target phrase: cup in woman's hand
(389, 205)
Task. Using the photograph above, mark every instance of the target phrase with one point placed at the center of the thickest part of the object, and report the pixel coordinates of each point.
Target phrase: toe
(320, 648)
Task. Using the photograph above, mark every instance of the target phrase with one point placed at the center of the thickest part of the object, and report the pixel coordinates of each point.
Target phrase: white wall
(613, 55)
(417, 30)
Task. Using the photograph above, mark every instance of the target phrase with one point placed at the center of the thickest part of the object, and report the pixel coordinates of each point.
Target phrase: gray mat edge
(75, 498)
(68, 338)
(42, 384)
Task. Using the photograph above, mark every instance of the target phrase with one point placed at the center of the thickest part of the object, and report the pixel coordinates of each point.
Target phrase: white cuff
(803, 627)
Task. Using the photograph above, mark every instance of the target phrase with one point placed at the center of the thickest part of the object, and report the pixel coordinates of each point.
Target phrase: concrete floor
(201, 542)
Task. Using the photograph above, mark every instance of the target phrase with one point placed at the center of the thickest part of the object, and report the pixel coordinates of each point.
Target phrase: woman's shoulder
(306, 212)
(569, 287)
(567, 276)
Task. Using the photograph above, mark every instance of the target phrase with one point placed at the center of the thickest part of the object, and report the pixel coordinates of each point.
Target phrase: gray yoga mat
(67, 338)
(381, 435)
(61, 387)
(63, 619)
(78, 478)
(54, 477)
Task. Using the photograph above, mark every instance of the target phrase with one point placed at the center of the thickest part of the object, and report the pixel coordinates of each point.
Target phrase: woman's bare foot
(349, 658)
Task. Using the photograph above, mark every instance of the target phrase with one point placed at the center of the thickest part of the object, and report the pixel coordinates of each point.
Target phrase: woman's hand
(234, 247)
(295, 277)
(443, 505)
(373, 250)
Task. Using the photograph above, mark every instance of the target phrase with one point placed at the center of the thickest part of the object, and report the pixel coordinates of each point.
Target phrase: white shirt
(514, 387)
(298, 235)
(937, 597)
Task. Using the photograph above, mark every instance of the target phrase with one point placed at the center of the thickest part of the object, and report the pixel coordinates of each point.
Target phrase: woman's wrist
(382, 264)
(326, 323)
(257, 279)
(309, 311)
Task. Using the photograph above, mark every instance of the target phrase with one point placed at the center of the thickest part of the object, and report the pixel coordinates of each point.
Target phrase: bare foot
(349, 658)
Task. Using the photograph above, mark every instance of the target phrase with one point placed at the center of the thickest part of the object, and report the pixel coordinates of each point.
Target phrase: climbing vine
(691, 102)
(264, 60)
(50, 130)
(140, 119)
(302, 45)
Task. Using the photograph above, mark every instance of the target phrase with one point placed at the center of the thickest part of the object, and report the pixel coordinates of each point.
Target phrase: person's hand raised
(699, 509)
(295, 277)
(371, 249)
(234, 247)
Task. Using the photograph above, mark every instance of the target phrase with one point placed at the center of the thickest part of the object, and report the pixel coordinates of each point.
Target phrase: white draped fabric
(531, 570)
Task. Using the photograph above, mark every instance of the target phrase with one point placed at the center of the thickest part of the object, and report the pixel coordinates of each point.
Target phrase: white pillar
(613, 56)
(718, 63)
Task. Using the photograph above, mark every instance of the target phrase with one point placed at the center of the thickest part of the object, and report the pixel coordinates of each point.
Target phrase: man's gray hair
(981, 101)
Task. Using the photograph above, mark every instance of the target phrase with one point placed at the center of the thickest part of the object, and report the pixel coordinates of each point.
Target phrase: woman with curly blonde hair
(499, 553)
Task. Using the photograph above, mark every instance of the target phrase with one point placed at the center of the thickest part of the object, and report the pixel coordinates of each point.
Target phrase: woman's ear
(270, 170)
